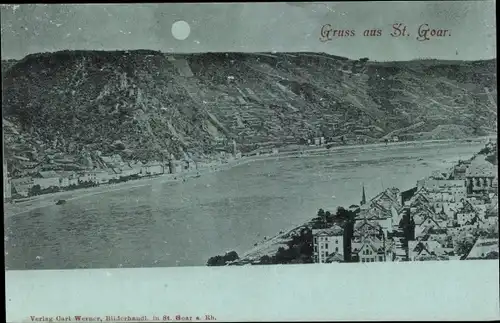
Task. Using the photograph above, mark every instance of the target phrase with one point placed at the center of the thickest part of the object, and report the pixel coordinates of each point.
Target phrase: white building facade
(327, 242)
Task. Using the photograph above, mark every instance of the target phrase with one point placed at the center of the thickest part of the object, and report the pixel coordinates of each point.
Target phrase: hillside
(146, 105)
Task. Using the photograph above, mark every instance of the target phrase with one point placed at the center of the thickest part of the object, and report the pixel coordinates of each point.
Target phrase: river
(183, 224)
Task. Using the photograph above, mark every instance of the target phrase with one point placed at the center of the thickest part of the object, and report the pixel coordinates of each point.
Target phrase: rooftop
(333, 231)
(48, 174)
(481, 168)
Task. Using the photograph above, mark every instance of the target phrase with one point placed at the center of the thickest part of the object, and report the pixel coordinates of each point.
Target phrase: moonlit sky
(252, 27)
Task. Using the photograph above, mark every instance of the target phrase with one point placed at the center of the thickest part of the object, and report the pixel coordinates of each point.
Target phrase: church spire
(363, 196)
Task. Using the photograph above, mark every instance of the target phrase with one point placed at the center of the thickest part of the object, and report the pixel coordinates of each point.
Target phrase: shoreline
(45, 200)
(279, 239)
(26, 205)
(266, 247)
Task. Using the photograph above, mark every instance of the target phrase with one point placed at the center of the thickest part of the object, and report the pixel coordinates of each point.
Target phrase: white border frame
(447, 290)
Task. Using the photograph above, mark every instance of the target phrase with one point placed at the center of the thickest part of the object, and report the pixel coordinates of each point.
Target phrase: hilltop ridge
(155, 104)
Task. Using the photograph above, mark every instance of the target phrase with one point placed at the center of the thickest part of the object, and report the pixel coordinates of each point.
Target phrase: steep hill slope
(76, 102)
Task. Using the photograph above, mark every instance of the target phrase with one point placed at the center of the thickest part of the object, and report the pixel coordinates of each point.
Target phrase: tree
(348, 219)
(231, 256)
(283, 256)
(322, 215)
(463, 246)
(223, 260)
(266, 260)
(492, 255)
(329, 218)
(35, 190)
(407, 224)
(216, 261)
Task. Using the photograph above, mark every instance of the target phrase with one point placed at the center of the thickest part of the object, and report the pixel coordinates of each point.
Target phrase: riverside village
(450, 215)
(61, 172)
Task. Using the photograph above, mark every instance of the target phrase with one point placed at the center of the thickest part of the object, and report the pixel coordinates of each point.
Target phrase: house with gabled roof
(440, 235)
(376, 211)
(22, 186)
(68, 178)
(425, 222)
(441, 191)
(465, 213)
(365, 228)
(152, 168)
(423, 212)
(127, 170)
(114, 161)
(386, 199)
(369, 252)
(138, 166)
(421, 196)
(378, 215)
(441, 215)
(335, 257)
(47, 179)
(474, 222)
(424, 250)
(372, 249)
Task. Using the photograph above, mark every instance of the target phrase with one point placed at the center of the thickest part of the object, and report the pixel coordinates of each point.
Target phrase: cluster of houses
(111, 168)
(432, 221)
(105, 170)
(316, 141)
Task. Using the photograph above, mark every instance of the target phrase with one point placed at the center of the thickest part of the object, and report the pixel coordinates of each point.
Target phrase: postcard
(284, 161)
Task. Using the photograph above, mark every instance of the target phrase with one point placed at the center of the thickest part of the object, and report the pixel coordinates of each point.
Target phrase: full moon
(181, 30)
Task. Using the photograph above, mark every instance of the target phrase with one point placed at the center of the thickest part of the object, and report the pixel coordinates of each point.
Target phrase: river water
(183, 224)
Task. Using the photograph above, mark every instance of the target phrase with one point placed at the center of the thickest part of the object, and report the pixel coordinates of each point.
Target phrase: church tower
(363, 196)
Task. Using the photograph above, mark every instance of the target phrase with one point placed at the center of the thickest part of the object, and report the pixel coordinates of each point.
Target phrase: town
(449, 215)
(63, 173)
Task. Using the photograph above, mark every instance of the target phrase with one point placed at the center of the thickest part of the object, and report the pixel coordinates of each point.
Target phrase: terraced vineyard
(74, 103)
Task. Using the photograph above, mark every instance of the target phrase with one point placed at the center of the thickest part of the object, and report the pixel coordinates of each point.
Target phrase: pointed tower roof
(363, 196)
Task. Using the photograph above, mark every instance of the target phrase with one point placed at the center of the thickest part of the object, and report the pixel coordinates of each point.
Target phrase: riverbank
(308, 151)
(36, 202)
(269, 247)
(45, 200)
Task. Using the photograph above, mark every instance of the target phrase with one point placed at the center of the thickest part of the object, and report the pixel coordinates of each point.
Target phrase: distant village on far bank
(43, 178)
(62, 172)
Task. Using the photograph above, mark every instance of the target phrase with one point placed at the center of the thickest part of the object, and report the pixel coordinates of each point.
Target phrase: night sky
(250, 27)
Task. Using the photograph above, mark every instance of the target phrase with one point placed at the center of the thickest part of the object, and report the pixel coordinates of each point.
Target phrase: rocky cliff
(147, 105)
